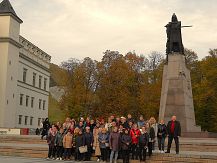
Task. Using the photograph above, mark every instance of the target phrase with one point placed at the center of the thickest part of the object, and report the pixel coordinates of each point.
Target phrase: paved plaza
(7, 159)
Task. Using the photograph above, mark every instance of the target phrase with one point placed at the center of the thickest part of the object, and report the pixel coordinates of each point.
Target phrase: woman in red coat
(135, 133)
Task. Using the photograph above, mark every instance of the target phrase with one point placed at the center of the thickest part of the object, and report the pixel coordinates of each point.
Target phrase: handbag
(83, 149)
(107, 144)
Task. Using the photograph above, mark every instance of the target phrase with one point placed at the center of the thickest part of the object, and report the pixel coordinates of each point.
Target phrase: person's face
(88, 119)
(92, 121)
(118, 119)
(130, 123)
(135, 126)
(97, 125)
(121, 127)
(67, 119)
(126, 132)
(173, 118)
(140, 118)
(88, 130)
(103, 130)
(112, 117)
(143, 129)
(147, 125)
(113, 124)
(80, 123)
(162, 121)
(80, 132)
(129, 116)
(115, 129)
(61, 130)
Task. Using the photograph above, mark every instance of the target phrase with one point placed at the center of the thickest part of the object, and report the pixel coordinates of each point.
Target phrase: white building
(24, 75)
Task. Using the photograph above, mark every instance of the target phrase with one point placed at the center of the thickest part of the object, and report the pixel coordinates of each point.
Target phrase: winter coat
(135, 135)
(143, 139)
(177, 129)
(79, 141)
(88, 139)
(103, 137)
(162, 131)
(124, 140)
(114, 141)
(67, 141)
(51, 139)
(96, 144)
(59, 139)
(151, 134)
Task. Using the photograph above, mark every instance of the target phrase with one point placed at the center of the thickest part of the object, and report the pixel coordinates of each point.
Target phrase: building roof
(6, 8)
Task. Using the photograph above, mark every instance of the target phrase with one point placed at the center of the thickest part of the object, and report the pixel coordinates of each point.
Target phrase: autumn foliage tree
(121, 84)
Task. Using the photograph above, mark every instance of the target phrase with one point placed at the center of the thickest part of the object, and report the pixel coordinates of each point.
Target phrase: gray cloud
(81, 28)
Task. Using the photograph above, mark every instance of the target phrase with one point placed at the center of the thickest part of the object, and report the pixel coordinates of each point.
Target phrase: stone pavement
(192, 150)
(11, 159)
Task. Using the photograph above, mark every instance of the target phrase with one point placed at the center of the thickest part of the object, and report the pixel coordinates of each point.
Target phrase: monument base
(176, 94)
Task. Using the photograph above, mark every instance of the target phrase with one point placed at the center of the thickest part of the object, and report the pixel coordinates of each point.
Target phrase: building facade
(24, 75)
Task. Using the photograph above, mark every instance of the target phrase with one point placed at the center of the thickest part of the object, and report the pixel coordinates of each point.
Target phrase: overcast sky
(86, 28)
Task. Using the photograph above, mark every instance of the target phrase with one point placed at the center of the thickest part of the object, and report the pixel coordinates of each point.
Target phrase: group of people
(117, 138)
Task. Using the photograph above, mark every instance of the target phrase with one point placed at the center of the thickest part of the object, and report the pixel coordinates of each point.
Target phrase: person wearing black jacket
(79, 141)
(161, 135)
(151, 134)
(143, 143)
(173, 131)
(46, 127)
(88, 137)
(125, 146)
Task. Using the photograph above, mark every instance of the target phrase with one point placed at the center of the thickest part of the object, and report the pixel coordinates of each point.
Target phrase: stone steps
(191, 150)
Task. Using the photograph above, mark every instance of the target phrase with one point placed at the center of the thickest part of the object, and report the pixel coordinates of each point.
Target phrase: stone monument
(176, 93)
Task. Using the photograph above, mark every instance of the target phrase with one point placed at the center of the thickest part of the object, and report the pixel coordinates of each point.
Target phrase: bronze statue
(174, 36)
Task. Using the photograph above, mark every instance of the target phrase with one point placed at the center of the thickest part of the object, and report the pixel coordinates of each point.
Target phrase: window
(21, 99)
(40, 103)
(33, 79)
(27, 101)
(31, 121)
(39, 84)
(32, 102)
(20, 119)
(26, 120)
(39, 121)
(24, 75)
(44, 102)
(45, 83)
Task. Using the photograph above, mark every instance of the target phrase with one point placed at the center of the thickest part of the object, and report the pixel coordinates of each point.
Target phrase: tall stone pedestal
(176, 94)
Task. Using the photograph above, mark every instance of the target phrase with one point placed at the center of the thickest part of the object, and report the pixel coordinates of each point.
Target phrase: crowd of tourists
(115, 138)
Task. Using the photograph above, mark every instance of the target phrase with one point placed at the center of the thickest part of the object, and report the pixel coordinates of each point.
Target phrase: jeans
(161, 141)
(112, 155)
(67, 152)
(104, 153)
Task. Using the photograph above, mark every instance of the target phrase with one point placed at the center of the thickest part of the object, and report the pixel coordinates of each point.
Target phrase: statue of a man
(174, 37)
